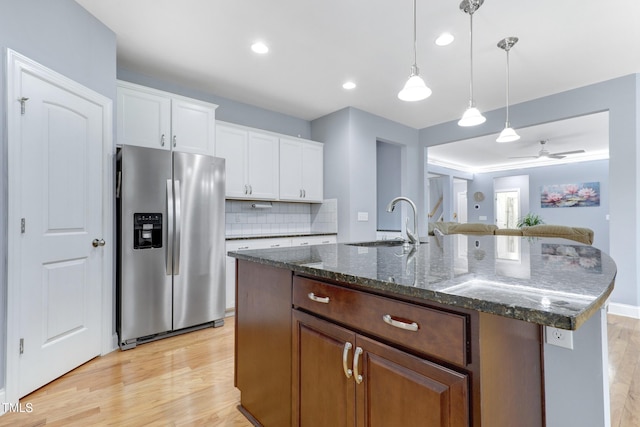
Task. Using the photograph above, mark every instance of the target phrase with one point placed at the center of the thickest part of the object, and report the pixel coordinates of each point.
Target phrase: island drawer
(429, 331)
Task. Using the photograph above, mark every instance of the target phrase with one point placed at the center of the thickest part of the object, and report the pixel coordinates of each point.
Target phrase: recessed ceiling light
(444, 39)
(259, 47)
(349, 85)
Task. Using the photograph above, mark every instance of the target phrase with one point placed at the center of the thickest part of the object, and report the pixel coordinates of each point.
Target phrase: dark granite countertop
(274, 236)
(553, 282)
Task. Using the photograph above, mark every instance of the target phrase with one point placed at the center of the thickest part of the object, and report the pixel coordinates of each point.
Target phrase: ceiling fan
(546, 154)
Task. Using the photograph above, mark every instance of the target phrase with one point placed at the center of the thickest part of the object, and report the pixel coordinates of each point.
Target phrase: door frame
(16, 64)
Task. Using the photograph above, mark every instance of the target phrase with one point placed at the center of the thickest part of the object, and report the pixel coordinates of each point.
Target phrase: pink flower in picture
(571, 189)
(553, 197)
(587, 193)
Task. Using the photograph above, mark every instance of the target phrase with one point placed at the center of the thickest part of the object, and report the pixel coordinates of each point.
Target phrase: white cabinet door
(301, 170)
(290, 170)
(312, 240)
(193, 126)
(143, 117)
(232, 144)
(263, 163)
(152, 118)
(312, 172)
(243, 245)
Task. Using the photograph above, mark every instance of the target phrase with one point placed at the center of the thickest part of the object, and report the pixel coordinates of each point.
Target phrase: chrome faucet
(414, 238)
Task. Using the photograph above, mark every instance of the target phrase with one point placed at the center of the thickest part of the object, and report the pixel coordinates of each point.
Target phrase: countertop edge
(539, 317)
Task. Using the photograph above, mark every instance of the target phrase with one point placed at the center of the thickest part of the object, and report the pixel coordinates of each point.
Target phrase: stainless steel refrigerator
(171, 260)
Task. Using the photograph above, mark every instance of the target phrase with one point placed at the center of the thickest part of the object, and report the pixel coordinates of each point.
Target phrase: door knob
(97, 243)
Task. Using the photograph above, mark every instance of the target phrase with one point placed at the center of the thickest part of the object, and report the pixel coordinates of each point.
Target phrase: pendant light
(415, 89)
(472, 115)
(507, 134)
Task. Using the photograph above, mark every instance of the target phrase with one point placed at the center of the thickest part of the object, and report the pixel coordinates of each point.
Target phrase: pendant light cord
(415, 39)
(507, 123)
(471, 103)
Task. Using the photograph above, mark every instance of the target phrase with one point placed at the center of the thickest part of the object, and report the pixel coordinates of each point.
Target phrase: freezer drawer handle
(314, 297)
(407, 326)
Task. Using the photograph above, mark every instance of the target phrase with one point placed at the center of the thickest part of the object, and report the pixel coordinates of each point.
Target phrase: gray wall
(350, 137)
(64, 37)
(589, 217)
(228, 110)
(388, 184)
(619, 97)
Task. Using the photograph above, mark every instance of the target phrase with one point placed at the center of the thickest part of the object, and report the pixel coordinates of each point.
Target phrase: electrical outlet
(559, 337)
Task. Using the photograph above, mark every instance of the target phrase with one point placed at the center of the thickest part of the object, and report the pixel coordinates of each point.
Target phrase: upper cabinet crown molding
(153, 118)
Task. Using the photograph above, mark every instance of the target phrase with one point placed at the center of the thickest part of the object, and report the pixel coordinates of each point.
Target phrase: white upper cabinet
(251, 162)
(301, 170)
(152, 118)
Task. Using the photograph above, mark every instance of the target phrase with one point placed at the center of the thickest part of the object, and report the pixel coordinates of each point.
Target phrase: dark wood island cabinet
(316, 349)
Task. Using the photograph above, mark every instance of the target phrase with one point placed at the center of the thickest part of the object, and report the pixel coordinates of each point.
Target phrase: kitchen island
(448, 333)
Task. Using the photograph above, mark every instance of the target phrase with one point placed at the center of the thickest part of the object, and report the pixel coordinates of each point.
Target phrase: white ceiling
(317, 45)
(483, 154)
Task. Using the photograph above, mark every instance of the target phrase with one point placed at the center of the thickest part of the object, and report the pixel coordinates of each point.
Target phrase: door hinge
(23, 101)
(23, 225)
(21, 345)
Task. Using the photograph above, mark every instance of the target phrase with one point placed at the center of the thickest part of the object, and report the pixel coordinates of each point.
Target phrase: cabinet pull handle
(408, 325)
(275, 245)
(162, 140)
(314, 297)
(174, 140)
(300, 193)
(345, 353)
(250, 189)
(246, 189)
(356, 357)
(304, 193)
(243, 247)
(304, 243)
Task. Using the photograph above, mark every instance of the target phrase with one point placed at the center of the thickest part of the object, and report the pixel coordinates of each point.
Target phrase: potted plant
(529, 219)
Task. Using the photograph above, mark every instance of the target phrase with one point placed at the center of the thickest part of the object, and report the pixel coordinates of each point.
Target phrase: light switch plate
(482, 218)
(363, 216)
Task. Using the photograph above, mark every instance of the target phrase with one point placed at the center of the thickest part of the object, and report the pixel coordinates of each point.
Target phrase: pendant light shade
(507, 134)
(415, 89)
(472, 116)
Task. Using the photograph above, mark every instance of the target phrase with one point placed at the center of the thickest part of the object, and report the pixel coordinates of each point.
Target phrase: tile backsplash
(255, 218)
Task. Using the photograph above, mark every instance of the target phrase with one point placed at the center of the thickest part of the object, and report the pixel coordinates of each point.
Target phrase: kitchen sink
(378, 243)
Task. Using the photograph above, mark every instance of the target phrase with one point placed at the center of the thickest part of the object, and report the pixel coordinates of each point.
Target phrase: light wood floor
(188, 380)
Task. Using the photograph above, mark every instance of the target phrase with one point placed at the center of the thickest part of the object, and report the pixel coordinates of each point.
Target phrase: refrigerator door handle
(178, 222)
(169, 251)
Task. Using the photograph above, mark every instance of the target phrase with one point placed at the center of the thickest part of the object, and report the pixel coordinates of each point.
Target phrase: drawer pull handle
(356, 357)
(408, 326)
(345, 353)
(314, 297)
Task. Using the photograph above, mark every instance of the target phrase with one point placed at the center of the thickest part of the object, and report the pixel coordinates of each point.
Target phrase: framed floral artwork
(570, 195)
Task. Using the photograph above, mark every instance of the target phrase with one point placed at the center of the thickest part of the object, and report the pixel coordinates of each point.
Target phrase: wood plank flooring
(187, 380)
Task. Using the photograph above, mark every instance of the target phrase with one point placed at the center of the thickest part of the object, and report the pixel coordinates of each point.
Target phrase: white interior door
(60, 204)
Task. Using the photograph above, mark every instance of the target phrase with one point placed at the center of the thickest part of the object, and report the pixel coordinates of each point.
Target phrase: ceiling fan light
(508, 135)
(414, 90)
(471, 117)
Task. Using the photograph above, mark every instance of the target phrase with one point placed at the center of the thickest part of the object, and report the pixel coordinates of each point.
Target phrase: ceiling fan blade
(564, 153)
(555, 156)
(524, 157)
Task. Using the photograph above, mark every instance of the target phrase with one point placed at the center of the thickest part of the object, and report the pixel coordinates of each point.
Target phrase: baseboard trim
(624, 310)
(3, 399)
